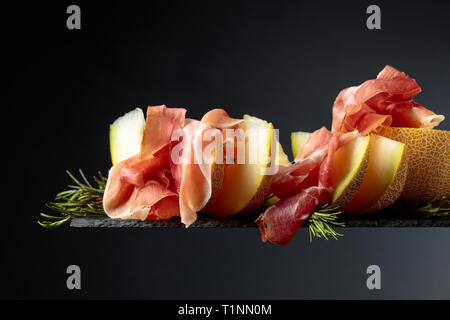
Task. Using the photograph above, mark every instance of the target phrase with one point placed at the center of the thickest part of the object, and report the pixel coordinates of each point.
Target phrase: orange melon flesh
(428, 161)
(349, 169)
(244, 186)
(298, 140)
(385, 159)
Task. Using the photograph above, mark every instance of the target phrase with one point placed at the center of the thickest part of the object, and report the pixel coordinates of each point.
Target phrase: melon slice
(349, 169)
(125, 135)
(428, 161)
(384, 179)
(245, 185)
(282, 158)
(298, 140)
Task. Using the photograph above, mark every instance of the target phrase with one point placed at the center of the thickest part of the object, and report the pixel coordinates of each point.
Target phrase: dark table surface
(391, 217)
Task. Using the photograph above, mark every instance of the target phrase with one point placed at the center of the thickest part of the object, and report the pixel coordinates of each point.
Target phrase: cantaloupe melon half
(298, 140)
(125, 135)
(245, 185)
(385, 177)
(428, 161)
(349, 169)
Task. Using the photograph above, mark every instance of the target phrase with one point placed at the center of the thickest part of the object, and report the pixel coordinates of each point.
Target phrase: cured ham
(280, 222)
(305, 171)
(154, 199)
(142, 187)
(197, 161)
(302, 186)
(159, 126)
(150, 185)
(384, 101)
(307, 183)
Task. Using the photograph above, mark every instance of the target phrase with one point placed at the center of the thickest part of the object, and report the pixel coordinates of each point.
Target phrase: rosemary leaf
(81, 199)
(322, 223)
(435, 207)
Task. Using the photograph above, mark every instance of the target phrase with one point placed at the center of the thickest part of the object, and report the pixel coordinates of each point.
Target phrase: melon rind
(428, 160)
(352, 157)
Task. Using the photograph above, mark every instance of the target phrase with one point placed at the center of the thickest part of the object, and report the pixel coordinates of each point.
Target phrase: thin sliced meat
(117, 192)
(280, 222)
(123, 200)
(336, 141)
(194, 186)
(157, 183)
(384, 101)
(136, 171)
(136, 186)
(304, 172)
(219, 118)
(413, 115)
(165, 209)
(316, 141)
(302, 187)
(197, 160)
(159, 125)
(299, 175)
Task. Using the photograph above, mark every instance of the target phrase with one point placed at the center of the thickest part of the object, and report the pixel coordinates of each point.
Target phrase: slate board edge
(103, 222)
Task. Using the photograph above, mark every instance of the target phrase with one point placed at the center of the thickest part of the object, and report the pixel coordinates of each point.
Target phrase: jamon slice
(199, 171)
(152, 200)
(384, 101)
(280, 222)
(246, 180)
(137, 187)
(150, 185)
(159, 126)
(302, 186)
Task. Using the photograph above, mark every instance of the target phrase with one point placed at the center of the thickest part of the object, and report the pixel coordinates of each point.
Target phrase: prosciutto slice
(142, 187)
(159, 126)
(197, 159)
(386, 100)
(150, 185)
(302, 186)
(154, 199)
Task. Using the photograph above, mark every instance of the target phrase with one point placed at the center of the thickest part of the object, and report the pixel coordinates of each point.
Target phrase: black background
(278, 60)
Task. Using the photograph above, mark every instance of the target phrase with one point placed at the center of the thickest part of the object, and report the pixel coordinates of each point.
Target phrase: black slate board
(388, 218)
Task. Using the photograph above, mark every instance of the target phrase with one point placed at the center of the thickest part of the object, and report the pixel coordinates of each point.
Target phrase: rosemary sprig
(322, 223)
(81, 199)
(435, 207)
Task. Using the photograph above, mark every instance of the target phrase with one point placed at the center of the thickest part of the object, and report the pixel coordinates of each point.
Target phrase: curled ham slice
(142, 186)
(159, 126)
(386, 100)
(153, 199)
(150, 185)
(302, 186)
(280, 222)
(197, 159)
(307, 183)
